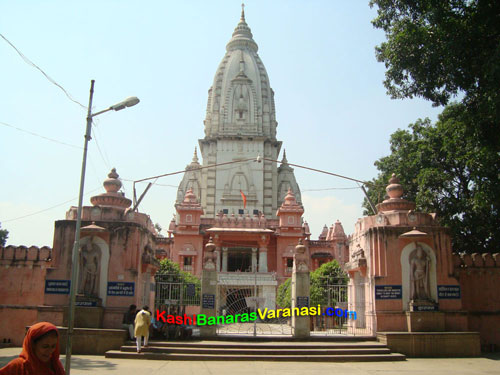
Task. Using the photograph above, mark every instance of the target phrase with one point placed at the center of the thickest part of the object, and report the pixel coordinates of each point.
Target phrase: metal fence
(172, 291)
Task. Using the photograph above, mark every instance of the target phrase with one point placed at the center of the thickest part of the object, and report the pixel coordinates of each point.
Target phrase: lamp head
(129, 102)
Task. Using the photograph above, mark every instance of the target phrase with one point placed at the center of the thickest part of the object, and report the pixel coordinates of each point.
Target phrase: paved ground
(86, 364)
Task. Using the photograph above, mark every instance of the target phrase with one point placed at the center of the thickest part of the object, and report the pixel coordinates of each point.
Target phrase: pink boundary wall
(479, 277)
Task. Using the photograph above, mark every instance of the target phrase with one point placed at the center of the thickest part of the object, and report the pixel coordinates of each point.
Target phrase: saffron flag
(243, 196)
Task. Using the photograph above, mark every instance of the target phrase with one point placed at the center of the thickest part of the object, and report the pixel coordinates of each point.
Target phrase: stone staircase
(289, 351)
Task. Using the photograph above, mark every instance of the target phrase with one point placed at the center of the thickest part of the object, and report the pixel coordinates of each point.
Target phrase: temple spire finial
(284, 160)
(195, 155)
(243, 11)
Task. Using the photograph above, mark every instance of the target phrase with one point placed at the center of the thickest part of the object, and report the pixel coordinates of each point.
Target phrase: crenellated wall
(22, 277)
(479, 278)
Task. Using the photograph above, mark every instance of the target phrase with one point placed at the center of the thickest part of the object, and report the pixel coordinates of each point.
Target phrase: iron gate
(246, 292)
(173, 294)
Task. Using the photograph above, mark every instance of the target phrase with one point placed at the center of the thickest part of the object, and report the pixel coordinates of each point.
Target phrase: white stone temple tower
(240, 124)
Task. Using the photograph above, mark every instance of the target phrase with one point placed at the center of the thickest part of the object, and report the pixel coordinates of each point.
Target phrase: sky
(332, 109)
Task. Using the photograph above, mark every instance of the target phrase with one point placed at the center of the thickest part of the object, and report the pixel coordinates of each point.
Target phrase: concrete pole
(209, 290)
(224, 259)
(300, 291)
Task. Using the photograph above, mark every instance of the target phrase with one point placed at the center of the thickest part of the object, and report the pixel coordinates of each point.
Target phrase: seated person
(128, 321)
(156, 328)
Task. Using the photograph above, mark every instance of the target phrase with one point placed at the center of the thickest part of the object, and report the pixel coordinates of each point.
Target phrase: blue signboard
(449, 291)
(208, 301)
(191, 290)
(388, 291)
(57, 286)
(120, 288)
(302, 302)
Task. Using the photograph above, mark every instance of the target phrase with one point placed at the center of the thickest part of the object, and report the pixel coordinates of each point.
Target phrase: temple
(239, 227)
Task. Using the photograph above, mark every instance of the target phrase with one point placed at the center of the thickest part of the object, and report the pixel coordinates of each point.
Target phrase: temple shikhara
(239, 227)
(252, 210)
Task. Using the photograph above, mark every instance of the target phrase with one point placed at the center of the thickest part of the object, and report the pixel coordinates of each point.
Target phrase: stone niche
(418, 275)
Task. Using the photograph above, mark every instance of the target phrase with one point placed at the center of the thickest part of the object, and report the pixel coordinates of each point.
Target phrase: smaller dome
(290, 199)
(338, 231)
(324, 233)
(111, 198)
(395, 202)
(394, 189)
(190, 197)
(112, 184)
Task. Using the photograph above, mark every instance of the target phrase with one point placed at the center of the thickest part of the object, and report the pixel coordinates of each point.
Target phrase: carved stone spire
(195, 156)
(284, 160)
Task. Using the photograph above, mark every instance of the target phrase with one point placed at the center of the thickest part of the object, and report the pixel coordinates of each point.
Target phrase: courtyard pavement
(89, 364)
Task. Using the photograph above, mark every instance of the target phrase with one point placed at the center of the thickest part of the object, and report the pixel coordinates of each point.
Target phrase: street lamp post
(129, 102)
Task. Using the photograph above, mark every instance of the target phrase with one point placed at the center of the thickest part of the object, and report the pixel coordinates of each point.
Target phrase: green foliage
(327, 274)
(158, 227)
(445, 171)
(4, 234)
(167, 267)
(283, 299)
(438, 50)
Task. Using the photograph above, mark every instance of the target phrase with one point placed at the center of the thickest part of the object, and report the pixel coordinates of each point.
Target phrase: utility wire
(40, 136)
(333, 188)
(31, 63)
(50, 208)
(100, 152)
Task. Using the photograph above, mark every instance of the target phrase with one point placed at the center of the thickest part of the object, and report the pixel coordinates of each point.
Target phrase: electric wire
(49, 208)
(99, 149)
(31, 63)
(40, 136)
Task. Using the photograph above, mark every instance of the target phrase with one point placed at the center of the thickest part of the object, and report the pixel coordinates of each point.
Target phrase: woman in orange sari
(40, 354)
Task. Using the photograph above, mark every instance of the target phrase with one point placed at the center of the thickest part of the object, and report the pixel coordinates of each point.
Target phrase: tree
(283, 298)
(158, 227)
(4, 234)
(322, 278)
(445, 171)
(168, 267)
(176, 281)
(440, 49)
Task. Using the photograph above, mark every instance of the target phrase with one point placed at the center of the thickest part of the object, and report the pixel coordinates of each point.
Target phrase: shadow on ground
(494, 356)
(82, 363)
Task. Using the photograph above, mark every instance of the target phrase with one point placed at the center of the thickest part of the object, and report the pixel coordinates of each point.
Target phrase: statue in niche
(90, 266)
(419, 275)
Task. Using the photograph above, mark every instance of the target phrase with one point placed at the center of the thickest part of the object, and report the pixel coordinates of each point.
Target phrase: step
(259, 351)
(263, 345)
(250, 357)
